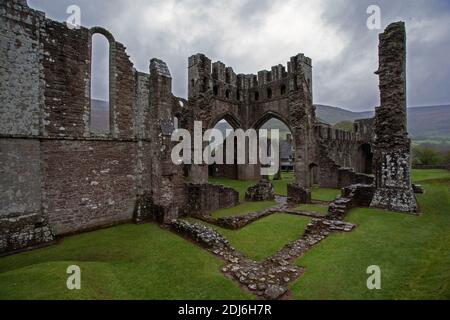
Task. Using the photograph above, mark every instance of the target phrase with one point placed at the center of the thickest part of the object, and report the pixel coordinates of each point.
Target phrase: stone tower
(392, 158)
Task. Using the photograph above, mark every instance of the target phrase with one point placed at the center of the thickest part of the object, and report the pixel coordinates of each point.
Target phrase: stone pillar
(164, 202)
(392, 160)
(200, 93)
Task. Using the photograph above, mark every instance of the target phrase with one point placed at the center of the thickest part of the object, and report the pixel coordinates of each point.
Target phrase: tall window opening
(100, 65)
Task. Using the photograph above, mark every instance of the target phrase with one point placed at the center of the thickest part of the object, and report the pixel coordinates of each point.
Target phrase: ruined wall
(392, 145)
(58, 176)
(166, 181)
(87, 184)
(248, 101)
(22, 223)
(21, 74)
(341, 156)
(66, 67)
(206, 198)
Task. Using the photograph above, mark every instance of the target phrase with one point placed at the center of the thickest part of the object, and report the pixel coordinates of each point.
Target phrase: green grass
(325, 194)
(321, 194)
(265, 237)
(146, 262)
(322, 209)
(413, 252)
(244, 208)
(420, 176)
(125, 262)
(281, 185)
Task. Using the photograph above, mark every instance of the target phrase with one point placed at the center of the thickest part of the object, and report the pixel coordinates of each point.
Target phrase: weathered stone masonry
(392, 146)
(58, 177)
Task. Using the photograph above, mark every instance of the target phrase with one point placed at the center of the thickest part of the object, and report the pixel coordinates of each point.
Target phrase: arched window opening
(239, 95)
(286, 148)
(228, 94)
(229, 171)
(256, 96)
(100, 67)
(283, 90)
(269, 93)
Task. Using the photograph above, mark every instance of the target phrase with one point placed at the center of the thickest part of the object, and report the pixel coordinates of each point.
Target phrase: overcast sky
(252, 35)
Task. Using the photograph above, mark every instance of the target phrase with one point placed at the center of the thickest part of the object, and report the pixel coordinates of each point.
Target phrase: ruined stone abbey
(59, 177)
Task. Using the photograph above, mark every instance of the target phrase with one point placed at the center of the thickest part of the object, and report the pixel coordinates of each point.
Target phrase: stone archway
(222, 123)
(285, 144)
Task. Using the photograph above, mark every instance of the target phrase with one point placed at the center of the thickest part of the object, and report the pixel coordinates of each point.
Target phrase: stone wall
(206, 198)
(87, 184)
(21, 74)
(341, 156)
(58, 176)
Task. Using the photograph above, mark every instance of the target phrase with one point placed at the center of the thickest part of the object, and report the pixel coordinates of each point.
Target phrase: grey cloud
(332, 32)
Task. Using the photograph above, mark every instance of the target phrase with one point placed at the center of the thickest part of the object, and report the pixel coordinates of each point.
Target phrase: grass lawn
(265, 237)
(244, 208)
(125, 262)
(322, 209)
(321, 194)
(281, 185)
(412, 252)
(420, 176)
(325, 194)
(146, 262)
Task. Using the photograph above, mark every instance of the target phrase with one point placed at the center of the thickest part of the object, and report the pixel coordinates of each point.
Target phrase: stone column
(165, 199)
(392, 160)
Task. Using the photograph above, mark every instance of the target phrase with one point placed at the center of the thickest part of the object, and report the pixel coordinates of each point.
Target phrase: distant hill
(334, 115)
(423, 122)
(428, 122)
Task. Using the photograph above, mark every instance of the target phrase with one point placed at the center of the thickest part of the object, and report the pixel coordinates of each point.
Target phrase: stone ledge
(22, 232)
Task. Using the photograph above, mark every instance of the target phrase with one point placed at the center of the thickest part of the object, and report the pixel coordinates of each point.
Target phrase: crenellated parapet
(225, 84)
